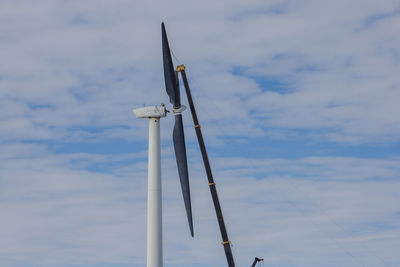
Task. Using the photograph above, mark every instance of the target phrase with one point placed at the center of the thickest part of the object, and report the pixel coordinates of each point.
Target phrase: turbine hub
(179, 110)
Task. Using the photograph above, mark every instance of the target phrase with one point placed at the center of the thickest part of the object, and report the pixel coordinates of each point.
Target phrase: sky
(297, 100)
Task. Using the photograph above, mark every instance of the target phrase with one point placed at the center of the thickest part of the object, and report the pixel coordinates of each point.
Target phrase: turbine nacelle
(150, 112)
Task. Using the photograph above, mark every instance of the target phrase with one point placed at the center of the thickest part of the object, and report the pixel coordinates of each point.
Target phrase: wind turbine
(154, 202)
(154, 114)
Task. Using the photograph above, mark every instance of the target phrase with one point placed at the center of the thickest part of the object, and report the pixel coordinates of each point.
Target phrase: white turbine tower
(154, 201)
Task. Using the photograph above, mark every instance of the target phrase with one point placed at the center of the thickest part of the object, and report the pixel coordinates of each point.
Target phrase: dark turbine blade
(169, 72)
(181, 160)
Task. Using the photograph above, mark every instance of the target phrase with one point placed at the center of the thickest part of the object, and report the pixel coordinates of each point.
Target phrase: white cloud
(90, 64)
(52, 206)
(72, 71)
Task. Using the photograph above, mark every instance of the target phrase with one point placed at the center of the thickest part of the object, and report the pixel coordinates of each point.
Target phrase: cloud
(314, 80)
(89, 64)
(52, 205)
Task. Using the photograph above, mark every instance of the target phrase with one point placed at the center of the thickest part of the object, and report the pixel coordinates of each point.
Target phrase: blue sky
(298, 102)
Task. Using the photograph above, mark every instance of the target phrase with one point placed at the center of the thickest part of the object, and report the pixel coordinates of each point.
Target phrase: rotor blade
(181, 160)
(169, 72)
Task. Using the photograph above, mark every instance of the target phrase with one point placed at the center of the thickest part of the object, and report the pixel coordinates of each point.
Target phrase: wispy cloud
(298, 104)
(53, 206)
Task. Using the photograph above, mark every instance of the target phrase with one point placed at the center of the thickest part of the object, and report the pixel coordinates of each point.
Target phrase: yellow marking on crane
(180, 68)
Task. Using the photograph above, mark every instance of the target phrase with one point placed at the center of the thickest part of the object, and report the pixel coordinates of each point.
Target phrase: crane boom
(213, 190)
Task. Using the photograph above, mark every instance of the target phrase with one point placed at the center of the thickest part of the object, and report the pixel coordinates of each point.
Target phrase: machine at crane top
(154, 205)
